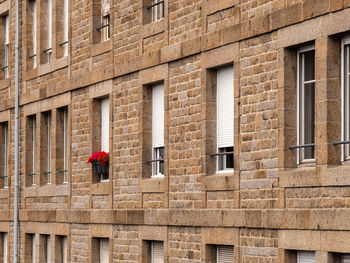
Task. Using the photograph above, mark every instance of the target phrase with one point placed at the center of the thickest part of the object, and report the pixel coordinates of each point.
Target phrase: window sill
(153, 185)
(221, 182)
(101, 188)
(101, 48)
(5, 83)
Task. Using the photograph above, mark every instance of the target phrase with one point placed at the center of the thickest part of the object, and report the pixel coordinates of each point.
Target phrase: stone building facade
(287, 198)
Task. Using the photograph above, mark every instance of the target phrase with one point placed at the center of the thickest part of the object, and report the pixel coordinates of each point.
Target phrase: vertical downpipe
(15, 219)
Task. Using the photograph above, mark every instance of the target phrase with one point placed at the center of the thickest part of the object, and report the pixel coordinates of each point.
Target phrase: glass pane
(309, 66)
(309, 119)
(229, 158)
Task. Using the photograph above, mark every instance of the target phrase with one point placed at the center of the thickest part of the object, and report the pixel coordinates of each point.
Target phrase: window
(101, 21)
(104, 250)
(64, 43)
(5, 64)
(46, 30)
(62, 145)
(305, 257)
(31, 150)
(224, 254)
(105, 131)
(45, 243)
(45, 149)
(157, 252)
(32, 24)
(4, 247)
(306, 104)
(4, 151)
(345, 111)
(61, 249)
(157, 10)
(158, 130)
(30, 250)
(224, 119)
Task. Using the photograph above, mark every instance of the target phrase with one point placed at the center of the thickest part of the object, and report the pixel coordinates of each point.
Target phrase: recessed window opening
(4, 154)
(157, 8)
(7, 46)
(158, 130)
(345, 108)
(33, 11)
(306, 104)
(105, 23)
(104, 131)
(65, 27)
(305, 257)
(32, 137)
(48, 49)
(225, 115)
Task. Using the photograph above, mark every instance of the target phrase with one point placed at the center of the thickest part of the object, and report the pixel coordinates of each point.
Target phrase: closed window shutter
(225, 254)
(49, 21)
(104, 250)
(64, 250)
(105, 125)
(48, 249)
(65, 26)
(158, 115)
(224, 107)
(345, 259)
(157, 252)
(33, 249)
(5, 248)
(7, 30)
(306, 257)
(34, 32)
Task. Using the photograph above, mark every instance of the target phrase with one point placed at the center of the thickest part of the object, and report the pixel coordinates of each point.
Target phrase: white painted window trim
(300, 152)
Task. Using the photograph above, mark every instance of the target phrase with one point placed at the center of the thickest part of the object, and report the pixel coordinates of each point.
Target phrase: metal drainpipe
(15, 219)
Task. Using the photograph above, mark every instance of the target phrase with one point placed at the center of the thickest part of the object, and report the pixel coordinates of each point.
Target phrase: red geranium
(99, 157)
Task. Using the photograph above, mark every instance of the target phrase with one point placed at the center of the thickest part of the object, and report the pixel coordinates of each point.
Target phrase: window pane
(309, 65)
(309, 119)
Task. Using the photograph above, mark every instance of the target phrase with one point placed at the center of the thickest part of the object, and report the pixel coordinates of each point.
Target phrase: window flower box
(100, 162)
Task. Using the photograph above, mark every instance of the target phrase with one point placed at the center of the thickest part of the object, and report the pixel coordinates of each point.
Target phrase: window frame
(345, 97)
(7, 45)
(300, 106)
(220, 157)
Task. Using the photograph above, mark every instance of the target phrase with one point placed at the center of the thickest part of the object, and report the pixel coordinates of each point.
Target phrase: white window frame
(157, 10)
(223, 148)
(105, 126)
(34, 32)
(65, 145)
(49, 30)
(345, 98)
(48, 148)
(106, 31)
(104, 246)
(157, 258)
(300, 106)
(65, 27)
(5, 247)
(307, 254)
(33, 120)
(7, 45)
(157, 129)
(6, 139)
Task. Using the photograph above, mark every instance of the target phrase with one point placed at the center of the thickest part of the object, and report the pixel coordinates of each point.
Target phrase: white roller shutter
(104, 250)
(64, 250)
(49, 22)
(157, 248)
(345, 259)
(7, 30)
(48, 249)
(33, 249)
(224, 107)
(5, 248)
(306, 257)
(105, 125)
(158, 115)
(225, 254)
(34, 32)
(65, 25)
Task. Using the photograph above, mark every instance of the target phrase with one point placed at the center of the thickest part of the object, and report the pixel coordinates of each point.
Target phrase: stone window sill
(47, 68)
(5, 83)
(101, 188)
(101, 48)
(153, 185)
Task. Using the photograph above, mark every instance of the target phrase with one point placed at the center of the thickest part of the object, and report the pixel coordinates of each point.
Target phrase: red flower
(99, 157)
